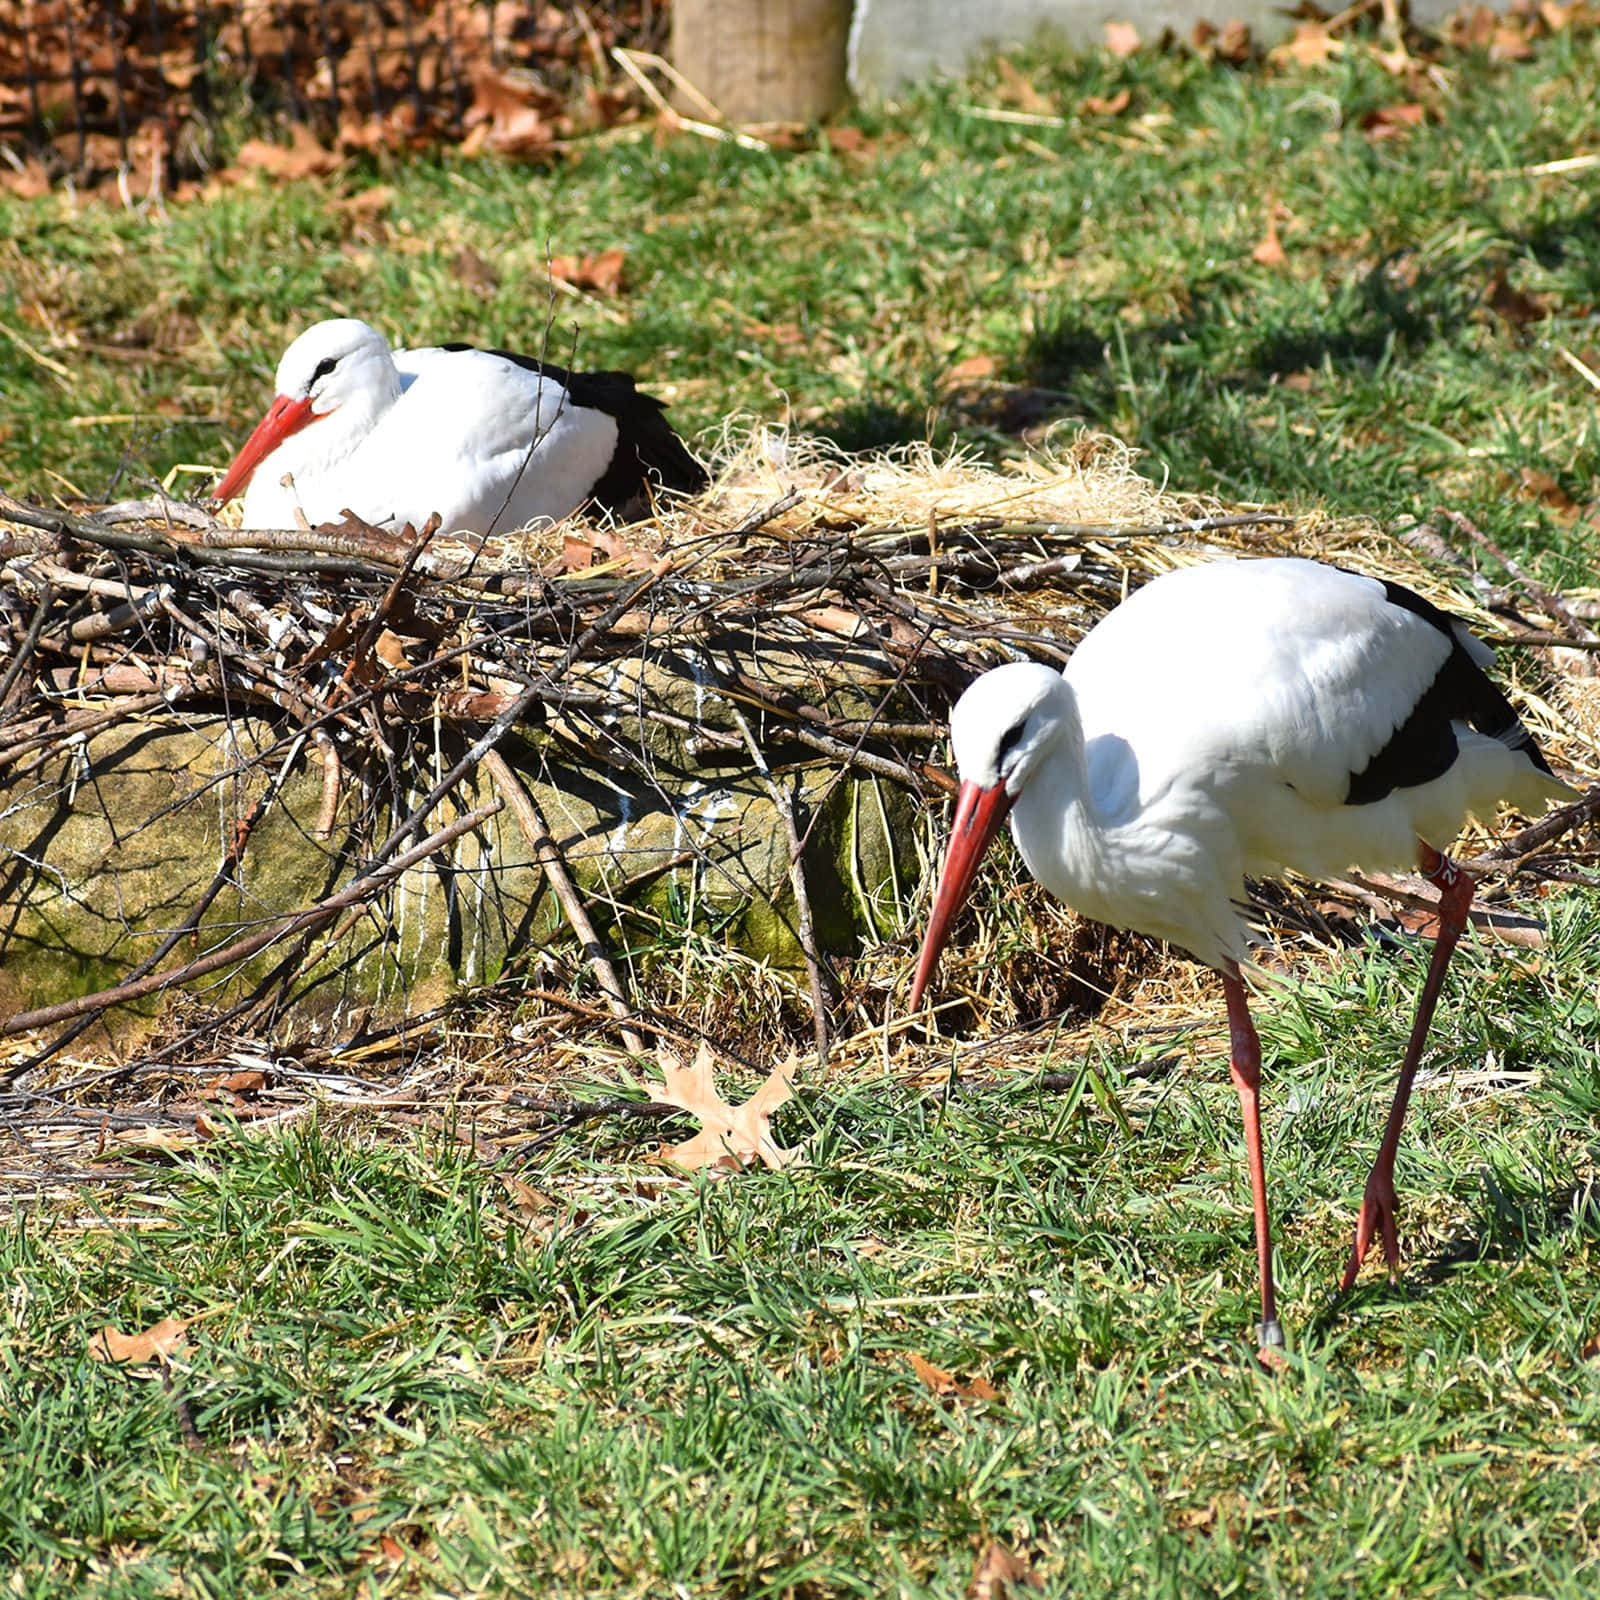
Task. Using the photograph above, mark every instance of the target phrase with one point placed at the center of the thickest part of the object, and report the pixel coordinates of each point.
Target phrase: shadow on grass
(869, 424)
(1513, 1224)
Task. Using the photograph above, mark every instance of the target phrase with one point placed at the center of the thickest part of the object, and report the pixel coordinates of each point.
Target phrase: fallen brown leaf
(1547, 489)
(601, 272)
(1000, 1574)
(27, 182)
(1473, 28)
(851, 141)
(1270, 252)
(944, 1383)
(368, 204)
(1392, 122)
(156, 1343)
(511, 113)
(1122, 39)
(597, 546)
(1017, 89)
(973, 370)
(1512, 303)
(304, 156)
(935, 1378)
(390, 649)
(1311, 46)
(249, 1082)
(1112, 105)
(1234, 44)
(731, 1137)
(1510, 43)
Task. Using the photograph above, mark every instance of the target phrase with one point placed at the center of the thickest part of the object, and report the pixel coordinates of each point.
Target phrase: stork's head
(999, 731)
(344, 363)
(1004, 723)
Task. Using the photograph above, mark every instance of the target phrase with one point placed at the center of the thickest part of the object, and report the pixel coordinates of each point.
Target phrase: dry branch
(306, 921)
(408, 661)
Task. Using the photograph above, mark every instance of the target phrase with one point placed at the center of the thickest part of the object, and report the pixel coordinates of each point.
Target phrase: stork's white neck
(1054, 820)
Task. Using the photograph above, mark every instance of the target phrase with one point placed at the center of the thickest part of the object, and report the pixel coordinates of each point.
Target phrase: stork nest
(380, 651)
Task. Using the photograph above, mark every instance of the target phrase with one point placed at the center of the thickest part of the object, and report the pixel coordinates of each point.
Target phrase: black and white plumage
(1242, 718)
(489, 440)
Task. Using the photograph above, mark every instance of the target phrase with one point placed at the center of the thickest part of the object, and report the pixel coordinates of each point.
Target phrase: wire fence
(97, 85)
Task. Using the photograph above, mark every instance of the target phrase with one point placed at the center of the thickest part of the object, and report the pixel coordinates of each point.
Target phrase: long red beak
(980, 814)
(285, 417)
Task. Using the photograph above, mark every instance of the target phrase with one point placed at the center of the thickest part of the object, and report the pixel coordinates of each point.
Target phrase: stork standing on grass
(489, 440)
(1243, 717)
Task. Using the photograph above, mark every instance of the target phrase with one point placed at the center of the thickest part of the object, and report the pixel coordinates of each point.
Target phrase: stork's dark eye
(324, 367)
(1008, 743)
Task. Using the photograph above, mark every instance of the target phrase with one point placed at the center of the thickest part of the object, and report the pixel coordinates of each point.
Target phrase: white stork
(489, 440)
(1243, 717)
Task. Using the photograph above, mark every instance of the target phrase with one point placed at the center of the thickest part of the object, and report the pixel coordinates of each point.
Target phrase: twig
(548, 854)
(1538, 834)
(1548, 602)
(797, 881)
(1373, 891)
(30, 640)
(308, 920)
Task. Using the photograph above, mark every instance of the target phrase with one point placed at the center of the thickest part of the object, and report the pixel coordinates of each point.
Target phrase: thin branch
(797, 880)
(308, 920)
(548, 854)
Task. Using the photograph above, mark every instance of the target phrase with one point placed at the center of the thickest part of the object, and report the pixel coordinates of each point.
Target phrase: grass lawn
(407, 1374)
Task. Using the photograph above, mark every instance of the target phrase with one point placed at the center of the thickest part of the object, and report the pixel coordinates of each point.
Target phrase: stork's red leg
(1245, 1065)
(1379, 1205)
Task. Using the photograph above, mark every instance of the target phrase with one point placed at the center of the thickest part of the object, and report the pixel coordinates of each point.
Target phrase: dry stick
(391, 596)
(1541, 638)
(88, 722)
(1509, 927)
(503, 723)
(1549, 603)
(308, 920)
(1427, 540)
(548, 854)
(689, 1037)
(221, 547)
(797, 880)
(1538, 834)
(30, 640)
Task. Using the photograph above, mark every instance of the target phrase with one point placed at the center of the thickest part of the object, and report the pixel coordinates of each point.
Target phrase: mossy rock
(111, 844)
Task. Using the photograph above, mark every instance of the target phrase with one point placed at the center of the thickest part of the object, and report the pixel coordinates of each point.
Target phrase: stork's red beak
(286, 416)
(980, 814)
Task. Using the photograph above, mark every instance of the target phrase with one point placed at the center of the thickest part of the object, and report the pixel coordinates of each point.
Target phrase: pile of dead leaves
(125, 96)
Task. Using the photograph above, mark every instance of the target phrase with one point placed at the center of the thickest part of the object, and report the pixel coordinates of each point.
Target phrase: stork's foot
(1379, 1211)
(1269, 1339)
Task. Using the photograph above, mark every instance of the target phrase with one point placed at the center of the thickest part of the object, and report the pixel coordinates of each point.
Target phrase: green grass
(1107, 262)
(647, 1381)
(650, 1382)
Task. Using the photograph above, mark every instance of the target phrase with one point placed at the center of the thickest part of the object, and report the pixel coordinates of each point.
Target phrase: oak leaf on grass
(944, 1383)
(731, 1137)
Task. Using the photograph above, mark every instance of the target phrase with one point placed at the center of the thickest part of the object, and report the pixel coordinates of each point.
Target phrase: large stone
(108, 846)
